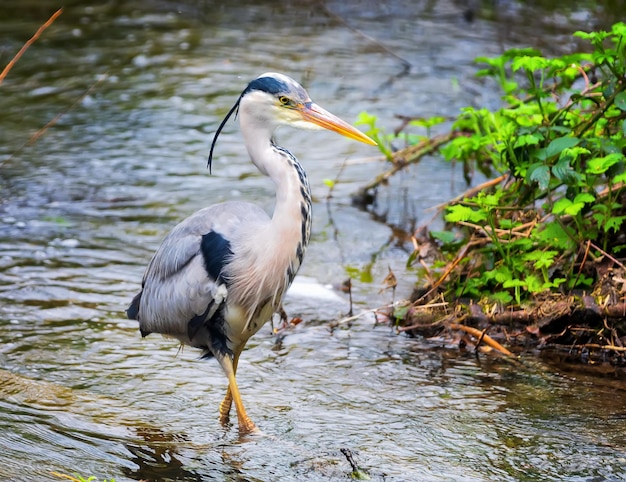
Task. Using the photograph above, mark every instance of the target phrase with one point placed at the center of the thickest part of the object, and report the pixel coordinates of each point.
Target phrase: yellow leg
(228, 398)
(246, 425)
(225, 407)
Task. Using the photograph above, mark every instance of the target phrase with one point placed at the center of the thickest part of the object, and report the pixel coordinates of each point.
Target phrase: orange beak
(315, 114)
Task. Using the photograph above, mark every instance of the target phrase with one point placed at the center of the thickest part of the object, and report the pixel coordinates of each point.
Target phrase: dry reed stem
(40, 132)
(450, 267)
(30, 41)
(471, 192)
(409, 155)
(481, 336)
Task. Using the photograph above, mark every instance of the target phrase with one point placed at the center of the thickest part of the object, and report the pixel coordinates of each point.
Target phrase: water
(83, 208)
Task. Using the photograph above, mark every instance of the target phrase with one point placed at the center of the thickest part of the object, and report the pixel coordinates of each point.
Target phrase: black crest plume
(234, 110)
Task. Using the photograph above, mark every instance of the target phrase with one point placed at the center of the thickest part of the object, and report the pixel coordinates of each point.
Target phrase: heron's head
(276, 99)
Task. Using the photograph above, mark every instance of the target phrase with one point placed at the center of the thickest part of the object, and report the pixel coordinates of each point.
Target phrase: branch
(471, 192)
(407, 156)
(39, 31)
(481, 335)
(40, 132)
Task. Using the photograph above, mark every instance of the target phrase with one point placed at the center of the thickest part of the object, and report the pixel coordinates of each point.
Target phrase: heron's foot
(247, 427)
(225, 408)
(224, 419)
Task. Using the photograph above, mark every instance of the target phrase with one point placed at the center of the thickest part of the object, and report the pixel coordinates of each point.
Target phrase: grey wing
(182, 288)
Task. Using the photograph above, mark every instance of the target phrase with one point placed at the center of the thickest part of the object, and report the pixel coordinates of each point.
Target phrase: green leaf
(554, 235)
(565, 173)
(539, 173)
(464, 213)
(561, 129)
(501, 274)
(572, 208)
(512, 283)
(542, 259)
(534, 284)
(584, 35)
(574, 152)
(521, 244)
(584, 197)
(620, 178)
(557, 145)
(503, 297)
(620, 101)
(509, 86)
(446, 237)
(527, 140)
(600, 165)
(530, 63)
(490, 200)
(561, 205)
(432, 121)
(614, 223)
(364, 275)
(365, 118)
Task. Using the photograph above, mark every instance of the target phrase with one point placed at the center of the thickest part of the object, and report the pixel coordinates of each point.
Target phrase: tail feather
(133, 310)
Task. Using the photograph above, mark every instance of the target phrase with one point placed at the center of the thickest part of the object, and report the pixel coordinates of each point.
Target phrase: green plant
(558, 146)
(385, 141)
(377, 133)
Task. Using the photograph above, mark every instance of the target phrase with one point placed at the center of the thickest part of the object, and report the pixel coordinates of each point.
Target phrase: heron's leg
(225, 406)
(228, 398)
(246, 425)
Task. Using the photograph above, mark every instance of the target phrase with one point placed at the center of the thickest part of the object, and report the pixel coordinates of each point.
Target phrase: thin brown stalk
(472, 191)
(54, 120)
(409, 155)
(30, 41)
(602, 347)
(481, 335)
(501, 233)
(369, 38)
(615, 260)
(459, 257)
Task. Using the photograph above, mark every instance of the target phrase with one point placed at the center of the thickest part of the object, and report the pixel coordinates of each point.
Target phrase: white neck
(292, 187)
(285, 238)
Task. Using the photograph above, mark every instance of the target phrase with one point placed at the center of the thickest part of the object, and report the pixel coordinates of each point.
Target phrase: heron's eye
(284, 100)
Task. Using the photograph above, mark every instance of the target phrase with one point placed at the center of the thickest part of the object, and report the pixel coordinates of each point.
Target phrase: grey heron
(220, 274)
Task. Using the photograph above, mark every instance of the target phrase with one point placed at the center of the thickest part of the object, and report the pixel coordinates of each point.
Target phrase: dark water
(142, 86)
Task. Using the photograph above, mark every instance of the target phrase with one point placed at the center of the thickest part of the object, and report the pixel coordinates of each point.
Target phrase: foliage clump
(552, 219)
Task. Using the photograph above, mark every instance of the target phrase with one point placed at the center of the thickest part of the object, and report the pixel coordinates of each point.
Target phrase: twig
(333, 183)
(615, 260)
(602, 347)
(459, 257)
(472, 191)
(407, 156)
(405, 63)
(357, 472)
(488, 230)
(441, 304)
(480, 335)
(350, 318)
(480, 340)
(30, 41)
(349, 286)
(582, 264)
(54, 120)
(581, 128)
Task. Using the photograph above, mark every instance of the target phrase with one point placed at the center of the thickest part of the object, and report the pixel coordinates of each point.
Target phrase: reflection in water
(157, 458)
(82, 210)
